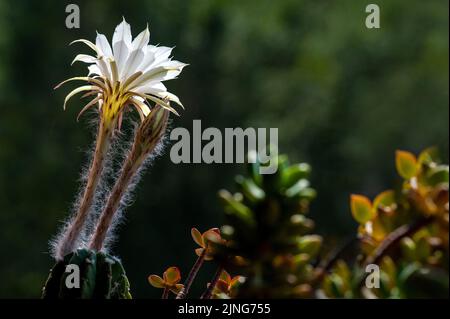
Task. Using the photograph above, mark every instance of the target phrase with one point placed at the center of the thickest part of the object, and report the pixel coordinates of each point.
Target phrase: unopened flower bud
(152, 128)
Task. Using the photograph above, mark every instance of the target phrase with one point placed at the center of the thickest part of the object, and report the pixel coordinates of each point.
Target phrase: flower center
(113, 103)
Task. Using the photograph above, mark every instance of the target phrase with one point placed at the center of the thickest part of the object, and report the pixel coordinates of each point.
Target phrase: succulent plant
(170, 281)
(268, 240)
(404, 232)
(268, 237)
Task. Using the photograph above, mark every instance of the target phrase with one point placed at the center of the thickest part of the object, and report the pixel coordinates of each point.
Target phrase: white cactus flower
(130, 72)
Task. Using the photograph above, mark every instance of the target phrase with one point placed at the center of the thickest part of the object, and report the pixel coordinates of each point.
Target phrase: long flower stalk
(72, 233)
(147, 137)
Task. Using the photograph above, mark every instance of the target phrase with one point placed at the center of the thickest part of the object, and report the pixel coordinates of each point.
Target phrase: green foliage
(403, 238)
(407, 236)
(101, 277)
(267, 234)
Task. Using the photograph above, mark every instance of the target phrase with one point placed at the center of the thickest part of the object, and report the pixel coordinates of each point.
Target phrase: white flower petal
(167, 74)
(162, 54)
(172, 97)
(141, 41)
(142, 105)
(122, 33)
(84, 58)
(122, 55)
(88, 43)
(104, 68)
(121, 43)
(149, 57)
(162, 103)
(173, 64)
(77, 78)
(94, 69)
(75, 91)
(163, 95)
(103, 45)
(137, 53)
(152, 88)
(158, 74)
(159, 90)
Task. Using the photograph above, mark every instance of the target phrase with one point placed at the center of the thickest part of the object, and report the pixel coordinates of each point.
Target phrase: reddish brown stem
(325, 267)
(208, 292)
(192, 274)
(392, 239)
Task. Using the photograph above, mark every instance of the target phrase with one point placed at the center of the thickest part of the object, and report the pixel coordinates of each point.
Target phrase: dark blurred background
(343, 97)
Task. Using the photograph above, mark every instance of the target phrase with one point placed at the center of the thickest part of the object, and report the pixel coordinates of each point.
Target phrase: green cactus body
(101, 277)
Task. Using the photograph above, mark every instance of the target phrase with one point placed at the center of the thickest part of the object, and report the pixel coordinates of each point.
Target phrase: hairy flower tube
(128, 73)
(147, 138)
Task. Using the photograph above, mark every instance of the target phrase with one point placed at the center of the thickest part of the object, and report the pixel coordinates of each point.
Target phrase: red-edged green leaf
(409, 248)
(423, 249)
(361, 208)
(378, 231)
(384, 199)
(406, 164)
(438, 175)
(343, 270)
(389, 267)
(222, 286)
(156, 281)
(197, 236)
(212, 235)
(310, 244)
(428, 156)
(172, 275)
(237, 280)
(225, 276)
